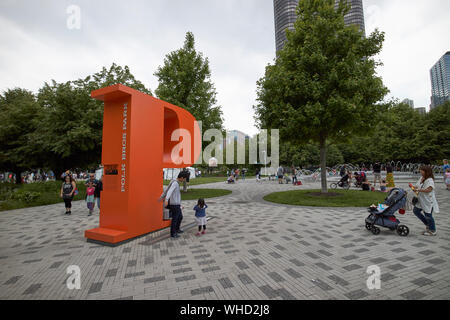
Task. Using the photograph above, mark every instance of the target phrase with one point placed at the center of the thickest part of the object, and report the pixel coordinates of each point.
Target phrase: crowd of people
(233, 175)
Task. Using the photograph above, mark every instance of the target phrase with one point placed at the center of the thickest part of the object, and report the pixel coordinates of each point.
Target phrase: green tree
(18, 112)
(323, 85)
(185, 81)
(70, 130)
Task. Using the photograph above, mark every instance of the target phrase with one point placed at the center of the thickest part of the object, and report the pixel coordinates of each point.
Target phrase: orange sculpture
(141, 136)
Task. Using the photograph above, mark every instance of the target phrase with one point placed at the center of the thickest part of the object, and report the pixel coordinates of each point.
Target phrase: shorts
(377, 174)
(201, 221)
(280, 176)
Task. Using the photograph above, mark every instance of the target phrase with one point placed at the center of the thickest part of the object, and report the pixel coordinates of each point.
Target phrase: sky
(237, 36)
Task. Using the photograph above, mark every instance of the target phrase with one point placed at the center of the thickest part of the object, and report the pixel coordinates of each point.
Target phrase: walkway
(253, 250)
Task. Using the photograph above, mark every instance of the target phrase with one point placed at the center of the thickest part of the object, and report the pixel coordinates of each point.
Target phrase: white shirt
(427, 201)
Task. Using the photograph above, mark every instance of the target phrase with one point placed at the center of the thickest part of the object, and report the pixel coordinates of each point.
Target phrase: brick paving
(252, 250)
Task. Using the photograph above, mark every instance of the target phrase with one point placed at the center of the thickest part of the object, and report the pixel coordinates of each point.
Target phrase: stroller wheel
(368, 226)
(376, 231)
(333, 186)
(402, 230)
(347, 186)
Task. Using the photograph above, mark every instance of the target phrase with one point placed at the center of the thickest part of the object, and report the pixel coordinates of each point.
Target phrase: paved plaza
(252, 250)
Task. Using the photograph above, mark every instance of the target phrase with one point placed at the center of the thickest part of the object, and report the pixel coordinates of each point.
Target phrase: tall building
(421, 110)
(440, 81)
(409, 102)
(285, 17)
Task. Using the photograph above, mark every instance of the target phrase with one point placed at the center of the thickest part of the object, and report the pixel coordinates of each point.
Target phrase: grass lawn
(201, 180)
(34, 194)
(194, 194)
(44, 193)
(205, 180)
(341, 198)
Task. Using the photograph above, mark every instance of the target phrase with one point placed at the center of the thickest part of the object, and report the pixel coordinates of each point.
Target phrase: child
(383, 186)
(90, 199)
(200, 216)
(447, 178)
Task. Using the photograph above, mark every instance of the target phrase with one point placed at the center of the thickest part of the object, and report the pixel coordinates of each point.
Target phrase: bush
(26, 196)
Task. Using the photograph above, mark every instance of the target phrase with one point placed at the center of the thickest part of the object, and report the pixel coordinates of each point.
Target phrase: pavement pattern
(253, 250)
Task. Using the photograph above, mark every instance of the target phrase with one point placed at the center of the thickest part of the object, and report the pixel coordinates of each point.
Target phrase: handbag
(167, 213)
(415, 199)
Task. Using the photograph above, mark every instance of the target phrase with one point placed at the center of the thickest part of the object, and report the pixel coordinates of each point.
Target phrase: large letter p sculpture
(141, 136)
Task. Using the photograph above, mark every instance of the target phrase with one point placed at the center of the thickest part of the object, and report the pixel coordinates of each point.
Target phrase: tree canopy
(185, 81)
(61, 126)
(323, 85)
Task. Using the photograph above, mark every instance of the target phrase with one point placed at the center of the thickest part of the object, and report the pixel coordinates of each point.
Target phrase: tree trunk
(18, 174)
(323, 165)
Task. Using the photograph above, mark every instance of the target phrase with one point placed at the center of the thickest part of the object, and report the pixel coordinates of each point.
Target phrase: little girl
(447, 178)
(200, 216)
(90, 199)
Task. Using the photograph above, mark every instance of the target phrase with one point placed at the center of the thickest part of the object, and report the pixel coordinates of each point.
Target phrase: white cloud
(416, 37)
(237, 36)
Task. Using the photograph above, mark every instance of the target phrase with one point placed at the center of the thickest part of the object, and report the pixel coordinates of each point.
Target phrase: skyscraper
(440, 81)
(409, 102)
(285, 17)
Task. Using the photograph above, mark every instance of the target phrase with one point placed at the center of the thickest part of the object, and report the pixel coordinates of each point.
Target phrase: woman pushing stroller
(425, 200)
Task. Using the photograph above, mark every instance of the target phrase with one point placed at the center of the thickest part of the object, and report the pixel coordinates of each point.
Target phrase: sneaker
(429, 233)
(69, 213)
(180, 231)
(175, 236)
(198, 233)
(89, 214)
(204, 231)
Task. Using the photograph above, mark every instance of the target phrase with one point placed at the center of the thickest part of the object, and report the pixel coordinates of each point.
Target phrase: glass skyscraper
(440, 81)
(285, 17)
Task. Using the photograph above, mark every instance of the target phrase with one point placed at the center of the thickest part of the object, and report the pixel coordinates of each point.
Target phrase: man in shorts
(376, 173)
(280, 175)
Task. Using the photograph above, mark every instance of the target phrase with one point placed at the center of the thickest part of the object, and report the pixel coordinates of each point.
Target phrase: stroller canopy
(395, 196)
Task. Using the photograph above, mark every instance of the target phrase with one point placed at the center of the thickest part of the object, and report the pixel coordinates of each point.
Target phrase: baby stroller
(344, 183)
(395, 201)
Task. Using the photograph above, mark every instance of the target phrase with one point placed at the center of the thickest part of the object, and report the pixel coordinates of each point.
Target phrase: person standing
(376, 173)
(200, 216)
(294, 176)
(98, 190)
(280, 174)
(67, 190)
(258, 175)
(94, 183)
(90, 198)
(390, 176)
(427, 202)
(343, 171)
(444, 168)
(172, 199)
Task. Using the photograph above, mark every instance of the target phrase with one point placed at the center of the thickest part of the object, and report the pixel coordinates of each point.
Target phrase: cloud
(237, 36)
(416, 37)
